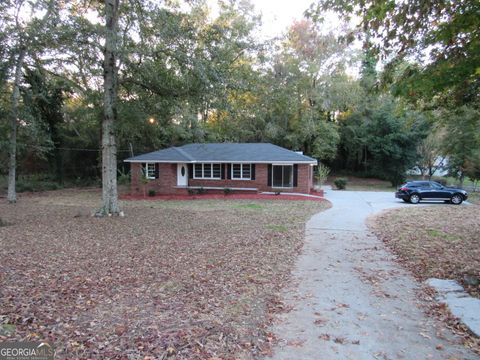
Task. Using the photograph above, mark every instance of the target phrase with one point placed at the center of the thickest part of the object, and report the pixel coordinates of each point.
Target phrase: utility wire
(66, 148)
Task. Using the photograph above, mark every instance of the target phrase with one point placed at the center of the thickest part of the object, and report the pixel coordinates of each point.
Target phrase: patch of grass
(7, 329)
(249, 206)
(443, 241)
(454, 181)
(202, 286)
(435, 233)
(278, 228)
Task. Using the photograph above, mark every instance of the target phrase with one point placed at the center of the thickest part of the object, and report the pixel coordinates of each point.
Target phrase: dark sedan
(415, 191)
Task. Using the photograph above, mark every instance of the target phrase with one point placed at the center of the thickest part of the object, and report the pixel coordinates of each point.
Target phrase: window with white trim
(241, 171)
(150, 170)
(207, 171)
(282, 176)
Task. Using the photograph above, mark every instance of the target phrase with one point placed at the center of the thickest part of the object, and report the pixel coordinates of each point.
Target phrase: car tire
(414, 199)
(456, 199)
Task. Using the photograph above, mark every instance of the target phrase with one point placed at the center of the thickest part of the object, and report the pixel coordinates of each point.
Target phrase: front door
(182, 175)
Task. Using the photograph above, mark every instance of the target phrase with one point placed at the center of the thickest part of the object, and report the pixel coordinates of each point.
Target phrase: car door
(441, 192)
(426, 190)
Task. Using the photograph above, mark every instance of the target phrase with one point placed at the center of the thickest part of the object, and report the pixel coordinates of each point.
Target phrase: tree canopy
(184, 74)
(432, 46)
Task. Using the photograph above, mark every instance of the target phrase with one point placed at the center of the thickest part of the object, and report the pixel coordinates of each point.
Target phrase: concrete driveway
(350, 299)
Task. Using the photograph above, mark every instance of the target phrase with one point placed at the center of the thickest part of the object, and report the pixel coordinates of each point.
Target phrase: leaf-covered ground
(362, 184)
(474, 198)
(441, 241)
(183, 280)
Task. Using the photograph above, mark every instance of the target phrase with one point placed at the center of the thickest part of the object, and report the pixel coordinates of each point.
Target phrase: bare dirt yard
(184, 280)
(440, 241)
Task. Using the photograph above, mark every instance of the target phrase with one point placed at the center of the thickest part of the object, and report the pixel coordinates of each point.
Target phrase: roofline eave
(274, 162)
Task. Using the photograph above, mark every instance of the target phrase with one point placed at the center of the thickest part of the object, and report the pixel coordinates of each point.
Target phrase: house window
(282, 176)
(241, 171)
(217, 171)
(198, 171)
(207, 171)
(150, 170)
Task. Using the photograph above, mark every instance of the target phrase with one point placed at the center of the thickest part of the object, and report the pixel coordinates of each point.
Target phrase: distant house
(239, 167)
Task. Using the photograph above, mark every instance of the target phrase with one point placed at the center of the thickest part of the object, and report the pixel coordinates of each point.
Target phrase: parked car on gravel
(416, 191)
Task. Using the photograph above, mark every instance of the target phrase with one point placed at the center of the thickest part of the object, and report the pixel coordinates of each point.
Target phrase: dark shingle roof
(224, 152)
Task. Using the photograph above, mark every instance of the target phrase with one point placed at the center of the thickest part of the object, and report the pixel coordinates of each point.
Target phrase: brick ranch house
(215, 167)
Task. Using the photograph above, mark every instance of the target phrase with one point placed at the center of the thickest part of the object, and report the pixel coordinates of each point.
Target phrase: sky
(278, 15)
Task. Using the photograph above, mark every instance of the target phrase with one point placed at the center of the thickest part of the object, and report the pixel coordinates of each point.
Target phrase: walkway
(350, 299)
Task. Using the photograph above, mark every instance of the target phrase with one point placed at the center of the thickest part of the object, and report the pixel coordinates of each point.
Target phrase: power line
(80, 149)
(66, 148)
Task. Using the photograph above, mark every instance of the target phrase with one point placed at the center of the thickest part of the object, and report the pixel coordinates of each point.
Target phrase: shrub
(123, 177)
(395, 178)
(322, 173)
(152, 193)
(440, 180)
(197, 191)
(227, 191)
(340, 183)
(32, 184)
(85, 182)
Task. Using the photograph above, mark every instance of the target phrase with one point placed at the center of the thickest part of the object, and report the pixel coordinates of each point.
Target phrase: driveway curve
(350, 299)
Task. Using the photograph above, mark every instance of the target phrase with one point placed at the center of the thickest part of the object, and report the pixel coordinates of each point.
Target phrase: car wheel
(456, 199)
(414, 198)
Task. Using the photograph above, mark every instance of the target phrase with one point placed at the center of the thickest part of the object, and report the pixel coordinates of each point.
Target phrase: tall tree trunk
(109, 147)
(12, 193)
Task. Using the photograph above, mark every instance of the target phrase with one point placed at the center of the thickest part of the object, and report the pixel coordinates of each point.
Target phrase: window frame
(147, 173)
(203, 171)
(241, 171)
(283, 182)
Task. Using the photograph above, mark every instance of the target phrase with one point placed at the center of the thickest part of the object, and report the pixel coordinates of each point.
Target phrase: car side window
(425, 185)
(436, 186)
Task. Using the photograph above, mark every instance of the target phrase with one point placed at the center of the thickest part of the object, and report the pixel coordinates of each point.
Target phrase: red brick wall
(260, 181)
(167, 181)
(165, 184)
(304, 179)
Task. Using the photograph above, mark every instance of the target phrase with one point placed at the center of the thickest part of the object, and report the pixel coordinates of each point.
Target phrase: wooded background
(185, 76)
